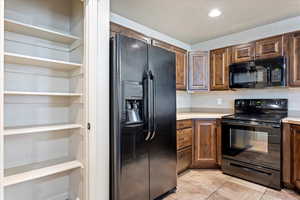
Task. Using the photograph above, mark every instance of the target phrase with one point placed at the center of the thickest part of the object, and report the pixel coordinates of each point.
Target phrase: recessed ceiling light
(214, 13)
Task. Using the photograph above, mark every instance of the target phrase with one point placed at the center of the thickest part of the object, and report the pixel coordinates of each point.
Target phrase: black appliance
(142, 121)
(258, 74)
(251, 140)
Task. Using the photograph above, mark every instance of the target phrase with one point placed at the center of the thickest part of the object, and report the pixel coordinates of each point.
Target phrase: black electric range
(251, 140)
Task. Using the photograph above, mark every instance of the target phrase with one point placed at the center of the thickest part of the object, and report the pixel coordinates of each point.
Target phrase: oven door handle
(256, 124)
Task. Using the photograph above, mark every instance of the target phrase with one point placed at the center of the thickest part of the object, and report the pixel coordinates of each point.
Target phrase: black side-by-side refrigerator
(142, 120)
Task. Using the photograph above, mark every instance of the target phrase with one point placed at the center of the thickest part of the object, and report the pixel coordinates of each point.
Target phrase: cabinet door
(269, 48)
(296, 155)
(243, 53)
(198, 71)
(205, 144)
(181, 63)
(184, 159)
(181, 69)
(294, 60)
(219, 64)
(219, 142)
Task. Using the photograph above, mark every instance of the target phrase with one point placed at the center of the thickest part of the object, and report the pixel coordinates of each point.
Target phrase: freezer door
(129, 150)
(162, 151)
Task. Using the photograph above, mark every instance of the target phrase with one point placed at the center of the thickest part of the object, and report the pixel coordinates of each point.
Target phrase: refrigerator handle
(153, 128)
(147, 109)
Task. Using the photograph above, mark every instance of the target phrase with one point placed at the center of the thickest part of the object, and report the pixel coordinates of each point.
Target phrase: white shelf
(39, 173)
(41, 62)
(38, 129)
(35, 31)
(55, 94)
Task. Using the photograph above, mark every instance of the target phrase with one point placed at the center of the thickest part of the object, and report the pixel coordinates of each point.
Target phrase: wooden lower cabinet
(184, 144)
(198, 144)
(184, 138)
(206, 145)
(184, 159)
(291, 155)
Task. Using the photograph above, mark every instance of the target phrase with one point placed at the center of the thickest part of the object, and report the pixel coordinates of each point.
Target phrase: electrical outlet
(219, 101)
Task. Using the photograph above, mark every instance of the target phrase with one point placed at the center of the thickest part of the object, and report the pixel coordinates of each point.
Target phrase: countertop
(293, 117)
(200, 115)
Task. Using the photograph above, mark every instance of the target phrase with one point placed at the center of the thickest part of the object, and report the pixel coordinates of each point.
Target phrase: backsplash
(225, 99)
(184, 100)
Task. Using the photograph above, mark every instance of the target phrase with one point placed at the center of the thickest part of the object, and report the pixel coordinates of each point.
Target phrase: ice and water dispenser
(133, 107)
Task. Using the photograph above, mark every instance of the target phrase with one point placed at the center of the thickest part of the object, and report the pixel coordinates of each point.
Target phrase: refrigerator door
(129, 149)
(162, 151)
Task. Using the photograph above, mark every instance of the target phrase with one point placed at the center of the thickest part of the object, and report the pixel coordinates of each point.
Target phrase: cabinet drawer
(184, 138)
(184, 159)
(184, 124)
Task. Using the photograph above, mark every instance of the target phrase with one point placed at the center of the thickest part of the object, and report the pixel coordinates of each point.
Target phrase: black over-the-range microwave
(259, 73)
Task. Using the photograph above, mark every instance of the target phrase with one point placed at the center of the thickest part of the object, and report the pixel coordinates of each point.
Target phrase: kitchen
(237, 110)
(140, 100)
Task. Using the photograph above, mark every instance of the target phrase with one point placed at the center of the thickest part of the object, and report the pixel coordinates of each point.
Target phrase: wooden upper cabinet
(181, 69)
(219, 68)
(243, 53)
(294, 60)
(162, 45)
(269, 47)
(181, 63)
(205, 144)
(116, 28)
(198, 71)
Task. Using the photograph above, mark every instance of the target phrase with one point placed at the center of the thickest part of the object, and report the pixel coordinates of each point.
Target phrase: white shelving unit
(35, 31)
(19, 59)
(43, 97)
(39, 173)
(39, 129)
(42, 94)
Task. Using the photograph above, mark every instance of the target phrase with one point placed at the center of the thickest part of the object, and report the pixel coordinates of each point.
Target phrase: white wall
(284, 26)
(147, 31)
(226, 98)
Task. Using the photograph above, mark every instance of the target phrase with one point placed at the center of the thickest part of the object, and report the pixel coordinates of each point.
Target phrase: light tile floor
(214, 185)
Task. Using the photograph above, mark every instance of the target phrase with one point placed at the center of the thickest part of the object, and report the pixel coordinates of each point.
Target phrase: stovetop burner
(262, 110)
(272, 118)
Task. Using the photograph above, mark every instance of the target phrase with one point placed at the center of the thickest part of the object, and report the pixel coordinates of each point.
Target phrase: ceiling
(188, 21)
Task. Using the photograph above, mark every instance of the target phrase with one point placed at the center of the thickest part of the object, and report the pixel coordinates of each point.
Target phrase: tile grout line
(263, 194)
(216, 189)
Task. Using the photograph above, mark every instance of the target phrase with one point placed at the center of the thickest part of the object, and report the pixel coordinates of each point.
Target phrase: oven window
(248, 140)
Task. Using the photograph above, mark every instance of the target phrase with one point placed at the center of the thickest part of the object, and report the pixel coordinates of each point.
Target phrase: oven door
(247, 75)
(254, 143)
